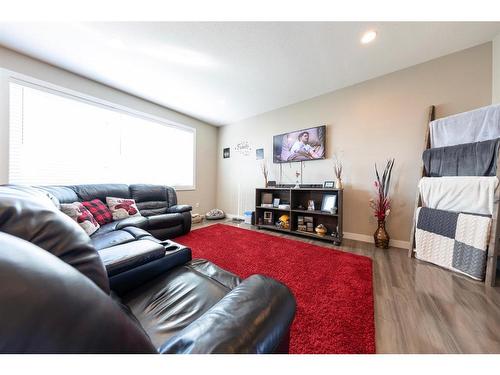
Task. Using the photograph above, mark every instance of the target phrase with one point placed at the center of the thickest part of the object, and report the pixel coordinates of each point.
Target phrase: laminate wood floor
(419, 307)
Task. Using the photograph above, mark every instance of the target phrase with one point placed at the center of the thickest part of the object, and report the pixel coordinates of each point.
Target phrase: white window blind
(60, 140)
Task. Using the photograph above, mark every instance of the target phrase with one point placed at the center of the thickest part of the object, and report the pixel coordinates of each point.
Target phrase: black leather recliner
(161, 216)
(55, 295)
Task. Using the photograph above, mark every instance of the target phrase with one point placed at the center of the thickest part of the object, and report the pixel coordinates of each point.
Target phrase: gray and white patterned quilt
(453, 240)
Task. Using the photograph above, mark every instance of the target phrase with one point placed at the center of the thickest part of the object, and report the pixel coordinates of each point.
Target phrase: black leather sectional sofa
(58, 296)
(161, 216)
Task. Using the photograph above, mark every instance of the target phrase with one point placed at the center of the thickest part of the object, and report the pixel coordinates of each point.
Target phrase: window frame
(94, 101)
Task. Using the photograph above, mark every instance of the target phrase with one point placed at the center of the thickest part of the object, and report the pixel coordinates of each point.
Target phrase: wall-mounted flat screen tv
(300, 145)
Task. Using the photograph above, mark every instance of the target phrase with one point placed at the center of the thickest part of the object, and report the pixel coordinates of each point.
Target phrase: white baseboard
(369, 239)
(233, 216)
(351, 236)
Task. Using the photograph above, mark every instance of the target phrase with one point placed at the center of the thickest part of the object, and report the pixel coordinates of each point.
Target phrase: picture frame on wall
(259, 154)
(226, 153)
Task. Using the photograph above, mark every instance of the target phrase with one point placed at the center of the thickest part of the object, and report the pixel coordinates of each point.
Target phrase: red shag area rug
(333, 289)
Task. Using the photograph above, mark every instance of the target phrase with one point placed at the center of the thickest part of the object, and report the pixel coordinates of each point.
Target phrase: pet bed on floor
(215, 214)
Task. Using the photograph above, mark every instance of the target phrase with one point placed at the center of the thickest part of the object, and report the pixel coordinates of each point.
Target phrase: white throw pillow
(121, 208)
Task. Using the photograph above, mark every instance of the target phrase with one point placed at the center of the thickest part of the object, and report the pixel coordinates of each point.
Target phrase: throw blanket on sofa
(453, 240)
(460, 194)
(471, 159)
(473, 126)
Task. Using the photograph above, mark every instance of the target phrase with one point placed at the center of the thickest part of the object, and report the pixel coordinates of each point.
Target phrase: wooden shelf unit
(300, 197)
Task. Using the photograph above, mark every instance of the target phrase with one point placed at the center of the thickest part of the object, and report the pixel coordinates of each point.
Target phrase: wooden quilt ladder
(494, 243)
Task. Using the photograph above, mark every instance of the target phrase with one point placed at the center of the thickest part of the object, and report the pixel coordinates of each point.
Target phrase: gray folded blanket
(469, 159)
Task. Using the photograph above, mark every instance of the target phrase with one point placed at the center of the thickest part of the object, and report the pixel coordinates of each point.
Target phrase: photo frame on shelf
(329, 184)
(266, 198)
(329, 203)
(276, 202)
(268, 218)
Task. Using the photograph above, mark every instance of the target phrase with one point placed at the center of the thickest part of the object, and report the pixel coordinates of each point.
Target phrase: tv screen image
(301, 145)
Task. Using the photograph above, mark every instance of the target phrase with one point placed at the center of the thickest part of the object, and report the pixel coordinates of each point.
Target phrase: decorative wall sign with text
(243, 148)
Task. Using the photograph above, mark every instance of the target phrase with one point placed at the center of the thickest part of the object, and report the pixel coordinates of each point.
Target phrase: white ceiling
(222, 72)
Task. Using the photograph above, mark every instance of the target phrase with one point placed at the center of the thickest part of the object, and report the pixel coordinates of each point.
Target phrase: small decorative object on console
(310, 205)
(284, 206)
(329, 203)
(329, 184)
(297, 184)
(321, 230)
(265, 171)
(268, 218)
(266, 198)
(276, 202)
(337, 168)
(284, 222)
(271, 183)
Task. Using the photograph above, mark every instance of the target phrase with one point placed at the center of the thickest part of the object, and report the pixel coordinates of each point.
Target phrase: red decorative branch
(381, 204)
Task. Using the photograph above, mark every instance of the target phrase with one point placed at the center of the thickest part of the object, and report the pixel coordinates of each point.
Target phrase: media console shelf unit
(295, 203)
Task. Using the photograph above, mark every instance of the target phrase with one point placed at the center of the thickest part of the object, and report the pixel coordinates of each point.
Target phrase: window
(59, 139)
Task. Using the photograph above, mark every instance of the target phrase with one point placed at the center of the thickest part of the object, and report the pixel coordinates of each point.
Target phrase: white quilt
(481, 124)
(459, 194)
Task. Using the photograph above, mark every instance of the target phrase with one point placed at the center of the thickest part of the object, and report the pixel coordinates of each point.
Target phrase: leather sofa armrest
(255, 317)
(128, 280)
(134, 221)
(127, 256)
(179, 208)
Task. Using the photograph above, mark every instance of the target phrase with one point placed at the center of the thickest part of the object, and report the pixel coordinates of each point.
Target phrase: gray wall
(367, 123)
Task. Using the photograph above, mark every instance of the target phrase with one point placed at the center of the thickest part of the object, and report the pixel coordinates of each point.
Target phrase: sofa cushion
(116, 237)
(170, 302)
(139, 233)
(179, 208)
(28, 214)
(164, 221)
(136, 221)
(122, 208)
(153, 199)
(79, 213)
(62, 193)
(47, 306)
(99, 210)
(121, 258)
(100, 191)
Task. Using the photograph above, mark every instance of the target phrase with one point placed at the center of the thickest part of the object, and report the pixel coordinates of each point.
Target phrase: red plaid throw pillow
(81, 215)
(99, 210)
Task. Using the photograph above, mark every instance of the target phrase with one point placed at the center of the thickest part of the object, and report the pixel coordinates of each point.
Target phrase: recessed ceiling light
(368, 37)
